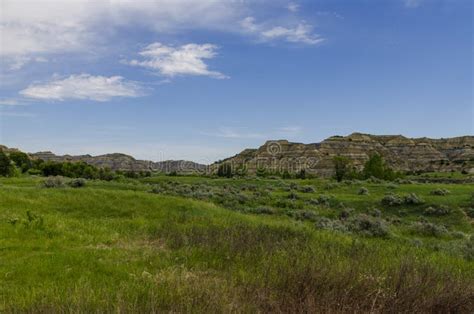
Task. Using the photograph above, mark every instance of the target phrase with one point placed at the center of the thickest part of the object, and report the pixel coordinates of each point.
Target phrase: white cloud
(175, 61)
(301, 33)
(293, 7)
(51, 26)
(412, 3)
(83, 86)
(20, 61)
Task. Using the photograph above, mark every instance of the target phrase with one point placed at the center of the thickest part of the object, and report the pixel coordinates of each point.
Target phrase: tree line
(15, 163)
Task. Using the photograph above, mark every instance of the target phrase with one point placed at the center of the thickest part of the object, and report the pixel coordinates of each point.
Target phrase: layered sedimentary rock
(401, 153)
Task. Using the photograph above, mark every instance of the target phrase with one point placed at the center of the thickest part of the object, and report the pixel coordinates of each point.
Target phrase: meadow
(199, 244)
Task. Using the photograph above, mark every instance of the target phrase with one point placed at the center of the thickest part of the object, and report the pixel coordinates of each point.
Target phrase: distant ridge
(401, 153)
(118, 161)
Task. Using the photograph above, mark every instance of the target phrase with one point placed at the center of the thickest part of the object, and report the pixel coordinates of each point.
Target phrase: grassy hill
(194, 244)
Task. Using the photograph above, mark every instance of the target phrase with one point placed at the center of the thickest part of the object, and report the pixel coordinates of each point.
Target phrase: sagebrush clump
(77, 183)
(370, 226)
(440, 192)
(54, 182)
(439, 210)
(392, 200)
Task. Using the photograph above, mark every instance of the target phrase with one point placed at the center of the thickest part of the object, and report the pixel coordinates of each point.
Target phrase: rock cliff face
(125, 162)
(401, 153)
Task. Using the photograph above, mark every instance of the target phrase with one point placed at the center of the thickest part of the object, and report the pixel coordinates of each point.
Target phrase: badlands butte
(400, 153)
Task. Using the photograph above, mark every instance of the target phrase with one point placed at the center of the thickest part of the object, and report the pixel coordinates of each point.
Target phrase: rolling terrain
(196, 244)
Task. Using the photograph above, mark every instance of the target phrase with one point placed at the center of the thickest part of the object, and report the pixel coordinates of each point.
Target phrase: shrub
(304, 215)
(370, 226)
(54, 182)
(392, 200)
(440, 210)
(391, 186)
(313, 201)
(329, 224)
(77, 183)
(363, 191)
(345, 213)
(324, 200)
(331, 185)
(413, 199)
(440, 192)
(428, 229)
(458, 234)
(263, 211)
(376, 212)
(293, 196)
(307, 189)
(469, 248)
(469, 212)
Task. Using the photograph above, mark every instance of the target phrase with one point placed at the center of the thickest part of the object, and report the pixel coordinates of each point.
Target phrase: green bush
(307, 189)
(7, 168)
(363, 191)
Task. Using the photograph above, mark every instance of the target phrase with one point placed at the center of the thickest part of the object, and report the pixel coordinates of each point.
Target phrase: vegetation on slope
(114, 246)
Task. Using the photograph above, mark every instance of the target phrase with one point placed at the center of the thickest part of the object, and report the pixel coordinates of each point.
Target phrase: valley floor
(195, 244)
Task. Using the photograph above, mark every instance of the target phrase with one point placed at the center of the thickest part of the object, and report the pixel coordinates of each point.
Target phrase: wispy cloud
(245, 133)
(300, 33)
(84, 86)
(18, 62)
(235, 133)
(10, 102)
(17, 114)
(412, 3)
(289, 130)
(293, 7)
(179, 61)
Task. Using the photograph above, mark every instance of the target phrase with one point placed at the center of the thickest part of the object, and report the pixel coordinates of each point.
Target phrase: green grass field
(195, 244)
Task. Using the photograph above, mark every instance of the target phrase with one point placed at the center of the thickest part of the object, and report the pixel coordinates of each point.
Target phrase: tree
(341, 167)
(21, 160)
(376, 167)
(7, 169)
(225, 170)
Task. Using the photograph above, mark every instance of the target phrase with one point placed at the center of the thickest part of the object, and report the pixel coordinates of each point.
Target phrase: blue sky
(202, 80)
